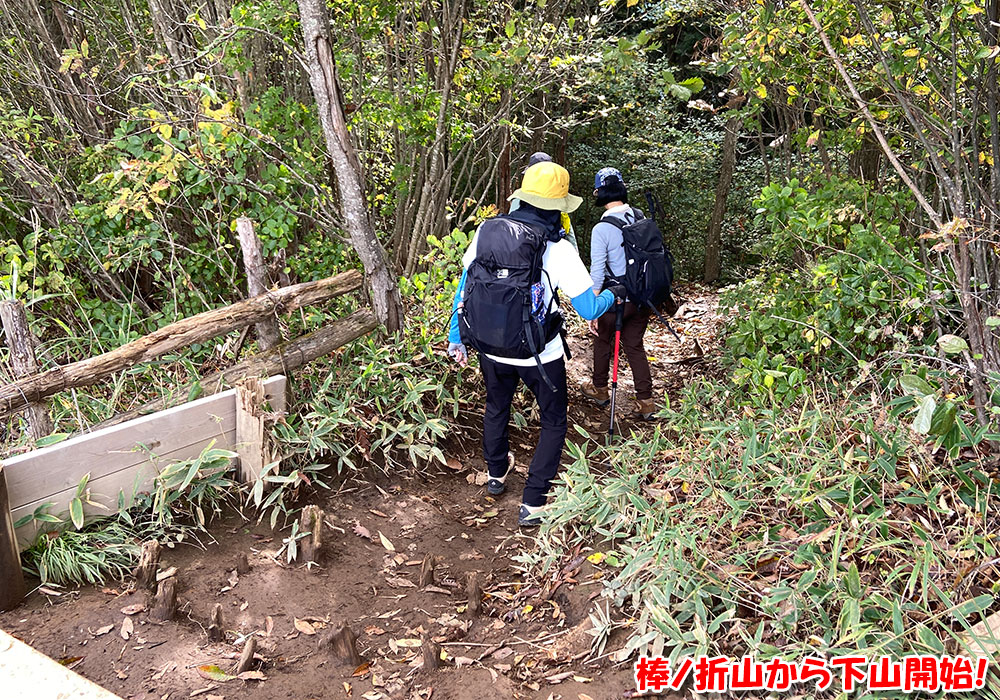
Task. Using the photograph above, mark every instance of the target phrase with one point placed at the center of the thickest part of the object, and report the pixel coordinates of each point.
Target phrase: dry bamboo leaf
(386, 543)
(304, 627)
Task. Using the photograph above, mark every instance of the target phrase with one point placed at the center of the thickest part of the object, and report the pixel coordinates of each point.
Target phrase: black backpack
(649, 266)
(501, 313)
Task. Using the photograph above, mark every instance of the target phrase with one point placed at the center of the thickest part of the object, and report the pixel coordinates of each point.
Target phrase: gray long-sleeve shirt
(606, 249)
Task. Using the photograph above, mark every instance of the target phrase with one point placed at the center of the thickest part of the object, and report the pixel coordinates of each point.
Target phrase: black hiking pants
(501, 383)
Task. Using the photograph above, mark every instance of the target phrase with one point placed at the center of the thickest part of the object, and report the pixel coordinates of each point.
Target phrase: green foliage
(856, 294)
(772, 532)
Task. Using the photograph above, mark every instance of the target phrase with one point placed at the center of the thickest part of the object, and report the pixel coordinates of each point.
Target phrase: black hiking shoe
(529, 517)
(495, 486)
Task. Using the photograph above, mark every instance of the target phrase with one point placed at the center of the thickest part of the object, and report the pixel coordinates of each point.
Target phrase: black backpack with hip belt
(503, 311)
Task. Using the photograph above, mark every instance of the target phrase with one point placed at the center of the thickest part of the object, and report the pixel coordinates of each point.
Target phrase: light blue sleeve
(591, 306)
(598, 256)
(453, 333)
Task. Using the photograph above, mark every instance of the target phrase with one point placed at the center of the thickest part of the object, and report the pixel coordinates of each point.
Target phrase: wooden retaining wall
(124, 457)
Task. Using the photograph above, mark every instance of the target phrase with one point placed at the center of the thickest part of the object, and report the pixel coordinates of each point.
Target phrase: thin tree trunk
(713, 241)
(347, 168)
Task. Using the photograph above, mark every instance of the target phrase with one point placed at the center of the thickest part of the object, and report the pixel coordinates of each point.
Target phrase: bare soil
(529, 642)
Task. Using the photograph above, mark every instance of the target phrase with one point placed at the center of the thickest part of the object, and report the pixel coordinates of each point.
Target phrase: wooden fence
(124, 454)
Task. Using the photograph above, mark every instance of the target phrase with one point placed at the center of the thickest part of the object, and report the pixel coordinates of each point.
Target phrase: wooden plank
(48, 471)
(11, 576)
(28, 673)
(115, 464)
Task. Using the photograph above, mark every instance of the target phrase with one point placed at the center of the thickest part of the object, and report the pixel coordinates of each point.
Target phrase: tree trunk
(268, 335)
(22, 359)
(195, 329)
(347, 169)
(713, 241)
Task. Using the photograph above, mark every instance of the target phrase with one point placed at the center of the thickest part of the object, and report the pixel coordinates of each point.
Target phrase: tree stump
(149, 564)
(311, 521)
(474, 594)
(216, 629)
(165, 602)
(427, 571)
(242, 564)
(342, 645)
(246, 658)
(431, 653)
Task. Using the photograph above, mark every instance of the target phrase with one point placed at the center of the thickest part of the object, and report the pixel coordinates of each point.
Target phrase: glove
(458, 352)
(619, 291)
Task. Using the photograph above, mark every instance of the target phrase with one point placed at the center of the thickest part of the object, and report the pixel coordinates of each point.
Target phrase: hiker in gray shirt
(607, 267)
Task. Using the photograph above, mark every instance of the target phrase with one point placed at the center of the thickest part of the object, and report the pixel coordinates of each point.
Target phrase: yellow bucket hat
(546, 186)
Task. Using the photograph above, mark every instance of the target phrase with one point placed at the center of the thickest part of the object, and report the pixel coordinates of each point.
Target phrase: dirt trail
(525, 645)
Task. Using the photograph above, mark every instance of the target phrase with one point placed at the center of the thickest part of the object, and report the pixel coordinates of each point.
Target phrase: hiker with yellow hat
(542, 157)
(507, 308)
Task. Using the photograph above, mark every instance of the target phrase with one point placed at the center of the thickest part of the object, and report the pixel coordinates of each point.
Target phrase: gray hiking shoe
(529, 517)
(495, 486)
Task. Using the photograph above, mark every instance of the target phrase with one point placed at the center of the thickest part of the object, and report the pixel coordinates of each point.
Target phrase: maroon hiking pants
(633, 330)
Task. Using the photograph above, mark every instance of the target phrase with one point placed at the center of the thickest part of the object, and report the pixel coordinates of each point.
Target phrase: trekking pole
(619, 316)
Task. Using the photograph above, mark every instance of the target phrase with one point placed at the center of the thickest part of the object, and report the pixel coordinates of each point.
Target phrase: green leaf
(76, 512)
(929, 639)
(925, 414)
(912, 384)
(510, 28)
(853, 581)
(952, 344)
(943, 419)
(51, 439)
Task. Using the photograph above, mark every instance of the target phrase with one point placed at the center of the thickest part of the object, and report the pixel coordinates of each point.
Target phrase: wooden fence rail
(194, 329)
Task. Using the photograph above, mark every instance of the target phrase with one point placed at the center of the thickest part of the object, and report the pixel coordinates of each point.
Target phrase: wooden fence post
(268, 335)
(12, 588)
(250, 428)
(22, 358)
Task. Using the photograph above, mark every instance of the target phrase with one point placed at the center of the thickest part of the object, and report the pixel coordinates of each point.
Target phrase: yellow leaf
(385, 542)
(922, 90)
(793, 91)
(527, 609)
(761, 92)
(596, 558)
(910, 53)
(85, 48)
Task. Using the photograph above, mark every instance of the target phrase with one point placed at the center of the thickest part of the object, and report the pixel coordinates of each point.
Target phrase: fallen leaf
(127, 628)
(463, 661)
(408, 643)
(361, 531)
(70, 661)
(453, 463)
(268, 626)
(347, 689)
(233, 579)
(437, 589)
(362, 669)
(386, 543)
(559, 677)
(246, 604)
(48, 591)
(203, 690)
(304, 627)
(102, 630)
(582, 679)
(133, 609)
(378, 513)
(584, 696)
(400, 582)
(373, 630)
(214, 673)
(373, 695)
(252, 676)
